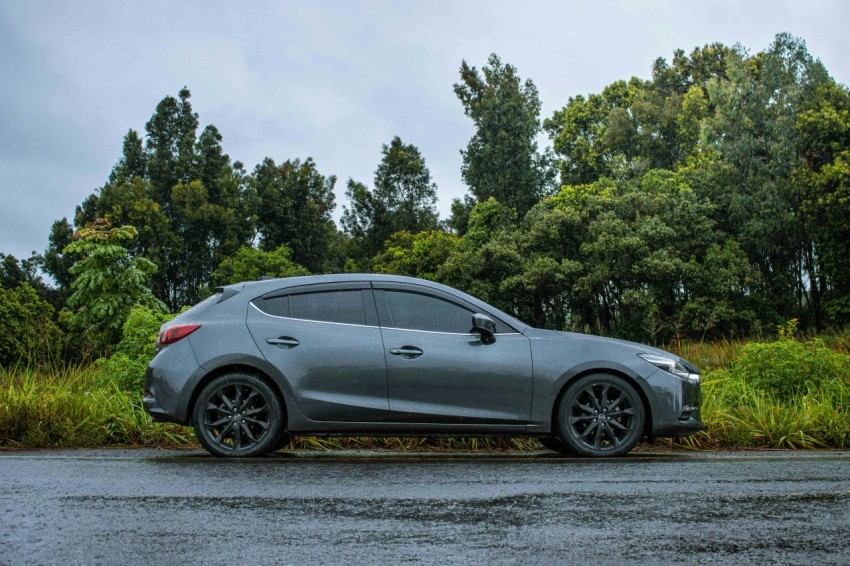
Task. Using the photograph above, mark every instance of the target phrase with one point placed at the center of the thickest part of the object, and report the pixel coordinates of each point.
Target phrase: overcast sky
(331, 80)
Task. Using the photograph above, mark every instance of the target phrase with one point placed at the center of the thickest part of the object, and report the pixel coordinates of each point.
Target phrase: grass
(76, 406)
(69, 407)
(741, 410)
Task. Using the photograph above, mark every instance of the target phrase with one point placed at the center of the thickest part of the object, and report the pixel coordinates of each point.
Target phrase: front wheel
(237, 415)
(601, 415)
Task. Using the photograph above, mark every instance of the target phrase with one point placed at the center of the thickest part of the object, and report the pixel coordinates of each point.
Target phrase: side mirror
(485, 326)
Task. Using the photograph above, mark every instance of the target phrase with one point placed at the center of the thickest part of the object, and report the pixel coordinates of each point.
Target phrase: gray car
(376, 355)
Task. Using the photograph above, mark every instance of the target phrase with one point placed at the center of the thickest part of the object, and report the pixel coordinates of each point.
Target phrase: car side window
(414, 311)
(326, 306)
(275, 306)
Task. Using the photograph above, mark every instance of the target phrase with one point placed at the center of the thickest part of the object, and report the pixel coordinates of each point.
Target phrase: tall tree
(170, 145)
(133, 162)
(634, 126)
(295, 203)
(501, 160)
(752, 129)
(403, 199)
(56, 263)
(190, 205)
(824, 185)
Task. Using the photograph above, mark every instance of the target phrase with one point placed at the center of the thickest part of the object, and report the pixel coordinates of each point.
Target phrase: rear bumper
(166, 392)
(156, 412)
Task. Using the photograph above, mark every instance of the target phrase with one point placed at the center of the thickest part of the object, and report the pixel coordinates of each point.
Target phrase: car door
(326, 342)
(440, 372)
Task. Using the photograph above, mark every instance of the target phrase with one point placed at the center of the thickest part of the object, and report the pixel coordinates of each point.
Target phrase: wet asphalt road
(169, 507)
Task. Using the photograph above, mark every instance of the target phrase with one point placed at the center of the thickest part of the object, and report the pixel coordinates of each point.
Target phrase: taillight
(176, 333)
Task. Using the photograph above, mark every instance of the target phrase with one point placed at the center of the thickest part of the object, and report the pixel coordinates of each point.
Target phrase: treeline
(709, 200)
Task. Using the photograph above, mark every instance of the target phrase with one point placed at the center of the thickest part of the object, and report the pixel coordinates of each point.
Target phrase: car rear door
(325, 341)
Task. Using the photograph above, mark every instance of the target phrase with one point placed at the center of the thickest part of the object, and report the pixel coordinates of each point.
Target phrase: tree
(752, 130)
(458, 222)
(56, 263)
(634, 126)
(294, 206)
(403, 200)
(823, 180)
(13, 272)
(107, 284)
(170, 145)
(501, 160)
(29, 333)
(249, 264)
(416, 255)
(133, 162)
(190, 205)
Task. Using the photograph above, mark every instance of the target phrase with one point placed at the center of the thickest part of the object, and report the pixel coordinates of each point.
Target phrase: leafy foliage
(29, 332)
(249, 264)
(295, 203)
(501, 160)
(107, 284)
(422, 254)
(403, 200)
(789, 368)
(125, 368)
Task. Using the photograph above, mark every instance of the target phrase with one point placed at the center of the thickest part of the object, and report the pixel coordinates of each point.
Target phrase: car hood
(636, 347)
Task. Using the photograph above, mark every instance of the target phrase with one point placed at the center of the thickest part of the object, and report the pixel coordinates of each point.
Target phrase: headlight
(671, 366)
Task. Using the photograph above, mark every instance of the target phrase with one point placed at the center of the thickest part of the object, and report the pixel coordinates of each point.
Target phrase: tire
(239, 398)
(282, 440)
(601, 415)
(554, 444)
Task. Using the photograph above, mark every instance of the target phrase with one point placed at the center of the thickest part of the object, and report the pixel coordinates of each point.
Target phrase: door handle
(407, 352)
(284, 342)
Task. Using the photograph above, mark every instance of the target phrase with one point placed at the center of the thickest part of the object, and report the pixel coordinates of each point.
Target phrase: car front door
(326, 342)
(438, 371)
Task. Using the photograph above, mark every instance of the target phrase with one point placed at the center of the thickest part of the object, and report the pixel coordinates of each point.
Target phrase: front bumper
(676, 411)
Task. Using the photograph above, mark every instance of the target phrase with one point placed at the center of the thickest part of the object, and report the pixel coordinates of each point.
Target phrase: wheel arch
(240, 367)
(647, 406)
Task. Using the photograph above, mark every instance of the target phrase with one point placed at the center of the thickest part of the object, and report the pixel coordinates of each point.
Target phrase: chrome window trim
(259, 310)
(447, 333)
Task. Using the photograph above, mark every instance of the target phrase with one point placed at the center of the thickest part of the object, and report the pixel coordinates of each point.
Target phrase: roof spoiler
(226, 293)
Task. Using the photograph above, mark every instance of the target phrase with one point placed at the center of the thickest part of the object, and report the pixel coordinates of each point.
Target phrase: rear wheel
(601, 415)
(237, 415)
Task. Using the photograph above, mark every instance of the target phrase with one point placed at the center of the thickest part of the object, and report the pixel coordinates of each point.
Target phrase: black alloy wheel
(601, 415)
(238, 415)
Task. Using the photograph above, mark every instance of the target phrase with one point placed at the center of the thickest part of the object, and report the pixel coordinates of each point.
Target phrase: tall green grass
(72, 407)
(787, 393)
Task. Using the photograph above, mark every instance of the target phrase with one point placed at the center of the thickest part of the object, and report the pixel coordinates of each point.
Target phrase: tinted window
(330, 306)
(413, 311)
(277, 306)
(327, 306)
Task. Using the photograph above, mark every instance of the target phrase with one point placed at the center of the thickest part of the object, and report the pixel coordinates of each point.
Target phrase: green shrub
(29, 333)
(126, 367)
(782, 394)
(788, 368)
